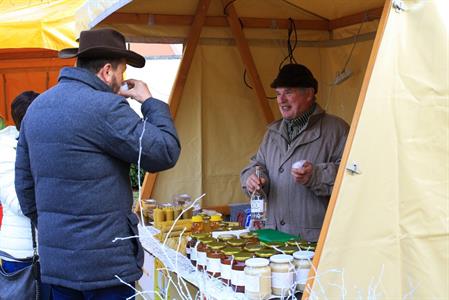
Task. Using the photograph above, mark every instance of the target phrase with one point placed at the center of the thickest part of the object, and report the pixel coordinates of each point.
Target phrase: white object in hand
(298, 164)
(124, 87)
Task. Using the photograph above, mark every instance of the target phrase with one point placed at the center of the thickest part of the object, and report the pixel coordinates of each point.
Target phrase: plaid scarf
(295, 126)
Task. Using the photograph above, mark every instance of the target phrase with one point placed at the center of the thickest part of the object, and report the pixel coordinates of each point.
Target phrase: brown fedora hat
(103, 43)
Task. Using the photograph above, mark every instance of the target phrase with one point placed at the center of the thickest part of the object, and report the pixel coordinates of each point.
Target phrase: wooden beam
(181, 78)
(358, 18)
(245, 53)
(247, 22)
(344, 160)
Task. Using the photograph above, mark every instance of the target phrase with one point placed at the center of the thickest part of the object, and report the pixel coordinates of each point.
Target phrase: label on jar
(282, 280)
(238, 278)
(202, 258)
(226, 271)
(252, 283)
(256, 205)
(301, 275)
(213, 265)
(188, 250)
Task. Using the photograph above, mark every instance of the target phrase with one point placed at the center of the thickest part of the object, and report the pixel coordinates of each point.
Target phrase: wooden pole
(181, 78)
(245, 53)
(344, 160)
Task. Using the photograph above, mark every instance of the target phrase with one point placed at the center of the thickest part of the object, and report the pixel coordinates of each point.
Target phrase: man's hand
(253, 183)
(137, 90)
(303, 175)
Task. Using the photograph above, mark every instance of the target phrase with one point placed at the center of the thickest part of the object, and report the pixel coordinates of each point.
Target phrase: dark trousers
(111, 293)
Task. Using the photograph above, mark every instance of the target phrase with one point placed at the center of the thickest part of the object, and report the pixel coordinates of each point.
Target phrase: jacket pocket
(133, 221)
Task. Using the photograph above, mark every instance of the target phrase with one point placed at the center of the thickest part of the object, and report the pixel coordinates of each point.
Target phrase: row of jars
(242, 262)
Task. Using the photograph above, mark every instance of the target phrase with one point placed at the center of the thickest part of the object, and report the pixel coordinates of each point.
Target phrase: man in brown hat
(299, 156)
(76, 144)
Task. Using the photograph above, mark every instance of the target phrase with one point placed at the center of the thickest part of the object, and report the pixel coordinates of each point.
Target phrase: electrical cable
(291, 49)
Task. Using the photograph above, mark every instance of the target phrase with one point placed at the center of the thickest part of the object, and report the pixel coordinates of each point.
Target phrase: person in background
(298, 194)
(76, 145)
(15, 233)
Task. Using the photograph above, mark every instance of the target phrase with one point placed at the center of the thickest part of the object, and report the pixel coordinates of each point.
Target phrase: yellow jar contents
(282, 274)
(303, 263)
(257, 278)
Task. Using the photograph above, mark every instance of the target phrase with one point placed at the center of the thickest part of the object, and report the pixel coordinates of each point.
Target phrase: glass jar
(202, 253)
(236, 243)
(238, 271)
(192, 245)
(214, 256)
(249, 237)
(226, 237)
(253, 248)
(226, 263)
(197, 224)
(206, 222)
(215, 222)
(282, 274)
(303, 263)
(265, 253)
(257, 278)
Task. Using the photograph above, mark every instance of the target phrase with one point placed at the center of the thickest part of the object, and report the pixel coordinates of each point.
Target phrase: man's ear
(105, 73)
(310, 94)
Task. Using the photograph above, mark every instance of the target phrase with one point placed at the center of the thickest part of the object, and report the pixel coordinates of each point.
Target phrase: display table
(168, 274)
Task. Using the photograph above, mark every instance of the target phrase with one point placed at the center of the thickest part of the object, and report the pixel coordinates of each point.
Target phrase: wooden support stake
(245, 53)
(344, 160)
(181, 78)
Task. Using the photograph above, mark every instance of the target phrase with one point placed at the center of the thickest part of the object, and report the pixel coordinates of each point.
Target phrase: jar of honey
(226, 263)
(202, 253)
(214, 256)
(238, 271)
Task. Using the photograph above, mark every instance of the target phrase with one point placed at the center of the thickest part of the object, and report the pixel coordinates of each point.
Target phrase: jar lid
(303, 254)
(266, 253)
(281, 258)
(288, 249)
(257, 262)
(226, 237)
(253, 247)
(247, 235)
(242, 256)
(274, 244)
(197, 219)
(199, 236)
(215, 218)
(216, 245)
(231, 250)
(207, 240)
(236, 242)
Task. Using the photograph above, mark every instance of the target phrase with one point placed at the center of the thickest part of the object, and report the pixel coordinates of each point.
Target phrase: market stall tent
(386, 232)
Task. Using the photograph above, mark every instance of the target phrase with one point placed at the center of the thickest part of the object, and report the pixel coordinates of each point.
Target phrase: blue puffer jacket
(76, 144)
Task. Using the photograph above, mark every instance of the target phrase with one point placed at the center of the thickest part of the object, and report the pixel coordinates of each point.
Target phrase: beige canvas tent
(386, 234)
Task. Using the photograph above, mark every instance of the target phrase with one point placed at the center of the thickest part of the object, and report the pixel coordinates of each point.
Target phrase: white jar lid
(281, 258)
(303, 254)
(257, 262)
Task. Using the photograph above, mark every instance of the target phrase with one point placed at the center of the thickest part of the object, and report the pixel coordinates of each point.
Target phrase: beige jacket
(292, 207)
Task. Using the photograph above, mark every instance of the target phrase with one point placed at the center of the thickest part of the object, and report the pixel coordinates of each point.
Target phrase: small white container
(303, 263)
(257, 279)
(282, 274)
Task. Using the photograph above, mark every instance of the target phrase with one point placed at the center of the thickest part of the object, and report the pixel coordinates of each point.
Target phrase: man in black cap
(299, 156)
(72, 170)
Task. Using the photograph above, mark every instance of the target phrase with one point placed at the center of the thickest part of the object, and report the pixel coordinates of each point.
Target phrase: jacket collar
(84, 76)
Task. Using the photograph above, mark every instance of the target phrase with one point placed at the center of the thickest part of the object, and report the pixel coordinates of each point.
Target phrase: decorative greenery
(133, 176)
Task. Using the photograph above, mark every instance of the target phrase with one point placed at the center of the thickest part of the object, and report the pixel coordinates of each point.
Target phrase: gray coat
(292, 207)
(76, 144)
